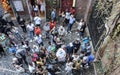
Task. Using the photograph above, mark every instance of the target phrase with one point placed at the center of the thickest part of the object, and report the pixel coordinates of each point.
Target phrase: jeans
(47, 34)
(69, 27)
(40, 44)
(31, 34)
(18, 36)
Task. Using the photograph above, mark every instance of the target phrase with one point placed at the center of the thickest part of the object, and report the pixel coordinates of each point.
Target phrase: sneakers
(78, 34)
(31, 40)
(69, 31)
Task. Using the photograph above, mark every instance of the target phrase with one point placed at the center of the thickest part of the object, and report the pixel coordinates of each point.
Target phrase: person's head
(14, 60)
(52, 20)
(21, 19)
(54, 9)
(61, 29)
(30, 64)
(5, 12)
(72, 16)
(30, 22)
(77, 40)
(49, 43)
(34, 46)
(63, 47)
(82, 20)
(22, 43)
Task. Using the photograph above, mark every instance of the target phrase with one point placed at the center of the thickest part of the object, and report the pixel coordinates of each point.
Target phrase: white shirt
(37, 20)
(61, 32)
(68, 67)
(61, 53)
(46, 27)
(30, 27)
(35, 49)
(67, 15)
(31, 68)
(35, 8)
(80, 25)
(75, 57)
(15, 30)
(85, 59)
(39, 38)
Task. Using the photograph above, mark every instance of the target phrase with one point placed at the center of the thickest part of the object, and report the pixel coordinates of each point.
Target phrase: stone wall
(109, 50)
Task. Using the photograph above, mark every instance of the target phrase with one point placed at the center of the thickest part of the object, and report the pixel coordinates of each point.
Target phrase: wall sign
(18, 5)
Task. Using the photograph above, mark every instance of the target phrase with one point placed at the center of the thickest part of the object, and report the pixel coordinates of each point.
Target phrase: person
(37, 20)
(75, 57)
(72, 10)
(12, 39)
(52, 25)
(70, 48)
(82, 29)
(61, 55)
(46, 28)
(80, 25)
(49, 46)
(76, 68)
(21, 53)
(76, 45)
(35, 49)
(37, 30)
(31, 67)
(58, 43)
(42, 8)
(61, 31)
(18, 65)
(30, 27)
(71, 22)
(18, 19)
(35, 8)
(22, 24)
(3, 40)
(12, 49)
(39, 40)
(53, 15)
(7, 18)
(91, 58)
(40, 70)
(17, 33)
(3, 22)
(85, 61)
(34, 57)
(68, 67)
(67, 17)
(2, 52)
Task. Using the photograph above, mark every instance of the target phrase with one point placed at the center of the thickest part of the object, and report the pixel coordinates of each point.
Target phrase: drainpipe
(29, 10)
(74, 2)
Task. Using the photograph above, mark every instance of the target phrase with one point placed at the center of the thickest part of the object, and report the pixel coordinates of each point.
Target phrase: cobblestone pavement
(6, 67)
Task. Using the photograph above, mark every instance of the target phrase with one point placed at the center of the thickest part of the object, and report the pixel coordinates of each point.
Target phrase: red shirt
(72, 11)
(52, 25)
(37, 30)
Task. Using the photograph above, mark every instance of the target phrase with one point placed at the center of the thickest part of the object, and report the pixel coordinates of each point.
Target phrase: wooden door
(66, 4)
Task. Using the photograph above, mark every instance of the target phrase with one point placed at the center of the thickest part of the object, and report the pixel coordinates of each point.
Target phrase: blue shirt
(12, 50)
(53, 14)
(91, 58)
(71, 20)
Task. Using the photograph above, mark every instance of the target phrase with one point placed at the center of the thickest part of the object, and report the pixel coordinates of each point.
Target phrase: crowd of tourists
(40, 48)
